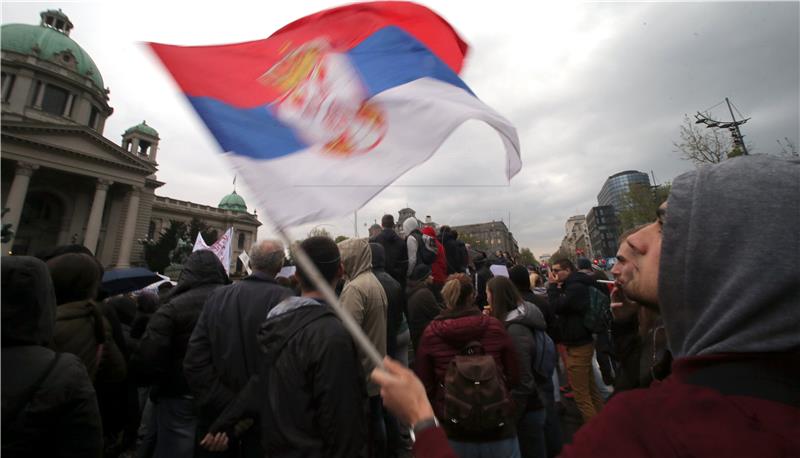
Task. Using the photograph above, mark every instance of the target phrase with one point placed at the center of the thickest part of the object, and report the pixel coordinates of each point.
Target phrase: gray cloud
(593, 89)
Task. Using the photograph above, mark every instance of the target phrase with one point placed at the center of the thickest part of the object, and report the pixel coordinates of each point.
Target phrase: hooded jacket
(394, 247)
(395, 297)
(223, 350)
(410, 225)
(444, 338)
(571, 302)
(439, 266)
(159, 358)
(309, 394)
(729, 298)
(521, 323)
(422, 309)
(60, 418)
(364, 298)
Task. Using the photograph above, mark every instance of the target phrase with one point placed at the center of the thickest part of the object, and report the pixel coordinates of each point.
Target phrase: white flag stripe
(311, 185)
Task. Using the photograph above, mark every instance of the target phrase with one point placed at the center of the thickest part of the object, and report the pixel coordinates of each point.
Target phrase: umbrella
(120, 281)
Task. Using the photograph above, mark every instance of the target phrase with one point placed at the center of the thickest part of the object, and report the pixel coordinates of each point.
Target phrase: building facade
(576, 239)
(63, 181)
(604, 231)
(491, 236)
(616, 186)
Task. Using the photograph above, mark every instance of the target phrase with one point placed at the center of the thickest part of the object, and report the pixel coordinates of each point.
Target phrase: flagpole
(321, 285)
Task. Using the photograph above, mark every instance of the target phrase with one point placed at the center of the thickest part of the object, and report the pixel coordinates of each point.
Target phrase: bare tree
(701, 144)
(788, 148)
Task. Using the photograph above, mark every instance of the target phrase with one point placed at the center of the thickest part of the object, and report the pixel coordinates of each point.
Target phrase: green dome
(27, 39)
(233, 202)
(143, 128)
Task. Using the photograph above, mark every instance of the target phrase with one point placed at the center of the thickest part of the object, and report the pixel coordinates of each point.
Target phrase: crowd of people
(680, 355)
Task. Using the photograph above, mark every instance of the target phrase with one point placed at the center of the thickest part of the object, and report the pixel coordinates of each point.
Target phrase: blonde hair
(457, 291)
(534, 278)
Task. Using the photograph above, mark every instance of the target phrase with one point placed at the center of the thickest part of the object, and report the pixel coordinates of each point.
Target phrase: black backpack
(476, 399)
(426, 248)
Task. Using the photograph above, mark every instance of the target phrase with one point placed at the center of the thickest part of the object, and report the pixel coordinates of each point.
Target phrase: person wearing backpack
(526, 326)
(439, 265)
(49, 404)
(421, 248)
(460, 347)
(569, 294)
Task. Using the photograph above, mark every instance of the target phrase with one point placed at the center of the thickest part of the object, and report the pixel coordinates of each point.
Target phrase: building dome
(142, 128)
(233, 202)
(50, 41)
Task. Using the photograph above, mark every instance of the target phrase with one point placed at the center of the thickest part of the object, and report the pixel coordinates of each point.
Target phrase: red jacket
(676, 419)
(445, 337)
(439, 267)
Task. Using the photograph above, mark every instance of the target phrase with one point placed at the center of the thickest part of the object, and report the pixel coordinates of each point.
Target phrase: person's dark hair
(564, 263)
(387, 221)
(457, 292)
(325, 255)
(520, 277)
(584, 263)
(505, 296)
(76, 277)
(454, 233)
(125, 308)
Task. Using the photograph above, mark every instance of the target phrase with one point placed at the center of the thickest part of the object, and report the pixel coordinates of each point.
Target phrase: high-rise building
(617, 185)
(603, 228)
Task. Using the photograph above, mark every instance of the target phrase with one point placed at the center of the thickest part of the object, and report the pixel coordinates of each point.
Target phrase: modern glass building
(617, 185)
(603, 231)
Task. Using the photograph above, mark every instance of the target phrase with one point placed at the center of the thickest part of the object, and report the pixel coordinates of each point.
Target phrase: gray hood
(527, 314)
(410, 225)
(728, 275)
(289, 304)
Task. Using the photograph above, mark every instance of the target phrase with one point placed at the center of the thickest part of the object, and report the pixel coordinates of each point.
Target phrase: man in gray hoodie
(731, 318)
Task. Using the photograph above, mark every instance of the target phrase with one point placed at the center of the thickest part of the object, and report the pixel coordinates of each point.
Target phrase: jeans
(177, 423)
(401, 348)
(530, 431)
(147, 429)
(504, 448)
(552, 422)
(581, 376)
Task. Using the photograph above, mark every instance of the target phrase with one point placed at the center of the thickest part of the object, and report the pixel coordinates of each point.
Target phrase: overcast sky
(593, 89)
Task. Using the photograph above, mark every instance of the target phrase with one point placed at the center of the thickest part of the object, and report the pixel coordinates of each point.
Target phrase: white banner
(222, 248)
(245, 258)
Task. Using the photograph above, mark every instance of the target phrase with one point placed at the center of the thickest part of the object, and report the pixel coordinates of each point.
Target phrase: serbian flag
(321, 116)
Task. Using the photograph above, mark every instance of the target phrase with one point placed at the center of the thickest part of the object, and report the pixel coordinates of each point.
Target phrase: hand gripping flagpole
(305, 263)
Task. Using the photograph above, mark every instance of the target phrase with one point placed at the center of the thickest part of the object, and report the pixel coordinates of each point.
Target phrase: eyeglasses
(555, 271)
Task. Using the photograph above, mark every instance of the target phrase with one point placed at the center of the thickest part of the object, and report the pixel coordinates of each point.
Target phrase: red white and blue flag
(332, 108)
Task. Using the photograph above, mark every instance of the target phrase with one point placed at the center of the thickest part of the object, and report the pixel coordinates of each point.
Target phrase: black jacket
(223, 351)
(521, 323)
(395, 297)
(309, 395)
(422, 309)
(571, 302)
(455, 251)
(396, 262)
(60, 418)
(159, 358)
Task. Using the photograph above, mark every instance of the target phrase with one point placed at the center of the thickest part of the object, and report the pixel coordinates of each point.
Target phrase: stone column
(39, 96)
(96, 215)
(135, 147)
(68, 106)
(16, 198)
(129, 232)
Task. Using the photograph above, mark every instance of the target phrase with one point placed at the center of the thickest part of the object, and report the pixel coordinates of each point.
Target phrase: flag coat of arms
(321, 116)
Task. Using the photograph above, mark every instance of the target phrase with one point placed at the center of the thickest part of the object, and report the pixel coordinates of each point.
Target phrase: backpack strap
(746, 378)
(473, 348)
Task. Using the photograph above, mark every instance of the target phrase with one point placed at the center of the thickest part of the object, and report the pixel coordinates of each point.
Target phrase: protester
(423, 306)
(568, 294)
(439, 266)
(364, 298)
(526, 326)
(223, 351)
(731, 322)
(159, 359)
(453, 333)
(482, 275)
(309, 395)
(81, 328)
(454, 249)
(394, 247)
(374, 230)
(49, 405)
(396, 300)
